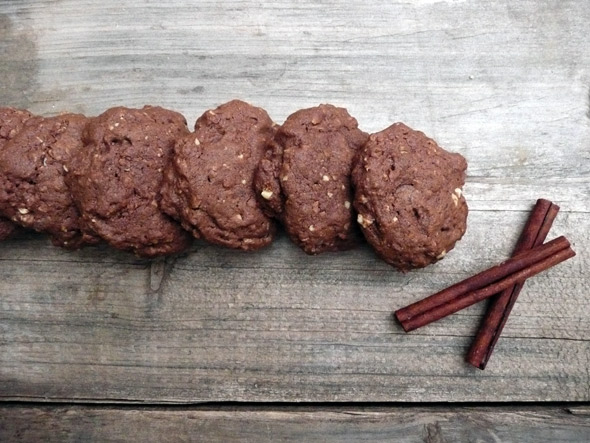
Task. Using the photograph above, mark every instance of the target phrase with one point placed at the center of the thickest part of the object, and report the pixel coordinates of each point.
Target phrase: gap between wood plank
(579, 407)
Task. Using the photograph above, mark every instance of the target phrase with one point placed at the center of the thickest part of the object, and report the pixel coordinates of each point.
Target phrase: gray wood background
(506, 84)
(263, 424)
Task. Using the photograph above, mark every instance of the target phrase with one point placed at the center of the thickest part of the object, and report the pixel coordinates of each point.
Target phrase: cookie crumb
(266, 194)
(364, 222)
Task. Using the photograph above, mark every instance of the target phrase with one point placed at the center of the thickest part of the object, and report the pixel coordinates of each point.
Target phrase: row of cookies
(139, 180)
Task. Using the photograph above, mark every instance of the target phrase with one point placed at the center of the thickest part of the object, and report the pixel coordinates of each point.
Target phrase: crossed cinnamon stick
(505, 280)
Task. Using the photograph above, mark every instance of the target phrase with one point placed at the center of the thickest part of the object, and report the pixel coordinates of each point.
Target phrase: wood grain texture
(345, 424)
(277, 325)
(506, 84)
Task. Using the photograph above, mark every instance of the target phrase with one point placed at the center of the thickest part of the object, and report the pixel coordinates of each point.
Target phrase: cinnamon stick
(506, 274)
(484, 278)
(473, 297)
(533, 234)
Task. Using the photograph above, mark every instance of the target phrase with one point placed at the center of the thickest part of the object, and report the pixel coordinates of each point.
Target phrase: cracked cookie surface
(208, 184)
(116, 180)
(11, 122)
(33, 164)
(408, 195)
(304, 178)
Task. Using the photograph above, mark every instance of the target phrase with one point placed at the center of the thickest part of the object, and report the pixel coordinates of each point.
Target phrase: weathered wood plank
(346, 424)
(278, 325)
(505, 83)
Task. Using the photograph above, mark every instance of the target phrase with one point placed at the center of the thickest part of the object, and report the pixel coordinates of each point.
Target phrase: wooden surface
(325, 424)
(277, 326)
(506, 84)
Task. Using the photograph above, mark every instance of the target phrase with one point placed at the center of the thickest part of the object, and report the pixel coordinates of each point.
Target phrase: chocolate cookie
(116, 180)
(11, 121)
(208, 184)
(33, 192)
(408, 197)
(304, 178)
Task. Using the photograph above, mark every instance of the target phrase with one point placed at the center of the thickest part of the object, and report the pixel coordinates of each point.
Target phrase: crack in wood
(160, 269)
(433, 433)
